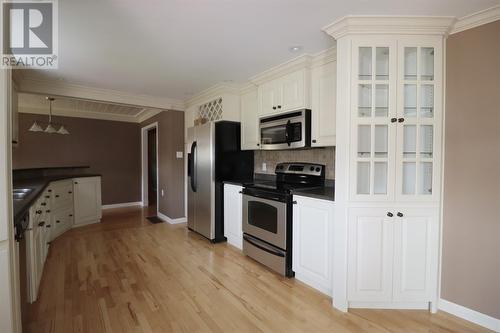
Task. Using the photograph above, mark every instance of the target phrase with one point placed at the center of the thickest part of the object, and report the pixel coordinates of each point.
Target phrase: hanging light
(35, 128)
(50, 128)
(63, 130)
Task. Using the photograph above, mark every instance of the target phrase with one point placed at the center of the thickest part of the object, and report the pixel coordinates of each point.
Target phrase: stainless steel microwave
(286, 131)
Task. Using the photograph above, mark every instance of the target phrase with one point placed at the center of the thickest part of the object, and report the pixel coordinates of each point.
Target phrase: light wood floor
(127, 275)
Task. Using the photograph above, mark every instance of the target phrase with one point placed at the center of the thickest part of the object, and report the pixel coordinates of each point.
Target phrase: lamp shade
(50, 129)
(35, 128)
(63, 130)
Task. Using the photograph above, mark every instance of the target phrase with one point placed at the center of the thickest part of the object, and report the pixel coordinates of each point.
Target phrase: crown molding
(382, 25)
(476, 19)
(213, 92)
(77, 114)
(301, 62)
(145, 114)
(248, 88)
(324, 57)
(64, 89)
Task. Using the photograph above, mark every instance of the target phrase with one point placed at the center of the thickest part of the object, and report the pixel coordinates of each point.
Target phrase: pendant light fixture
(51, 127)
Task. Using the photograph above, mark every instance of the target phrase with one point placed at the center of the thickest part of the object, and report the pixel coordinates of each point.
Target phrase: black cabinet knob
(44, 204)
(57, 221)
(70, 192)
(258, 144)
(76, 183)
(399, 214)
(47, 226)
(41, 224)
(390, 214)
(393, 120)
(314, 141)
(38, 212)
(57, 195)
(49, 190)
(70, 215)
(401, 120)
(47, 197)
(274, 108)
(279, 106)
(47, 211)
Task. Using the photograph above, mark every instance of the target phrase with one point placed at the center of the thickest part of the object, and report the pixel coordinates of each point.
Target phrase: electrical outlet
(178, 154)
(264, 166)
(162, 193)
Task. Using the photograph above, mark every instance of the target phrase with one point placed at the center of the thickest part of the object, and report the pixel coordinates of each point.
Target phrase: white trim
(470, 315)
(121, 205)
(300, 62)
(391, 305)
(477, 19)
(210, 93)
(74, 226)
(171, 220)
(144, 165)
(68, 89)
(78, 114)
(389, 25)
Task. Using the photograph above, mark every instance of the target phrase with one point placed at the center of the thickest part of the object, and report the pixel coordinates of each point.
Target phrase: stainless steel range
(267, 214)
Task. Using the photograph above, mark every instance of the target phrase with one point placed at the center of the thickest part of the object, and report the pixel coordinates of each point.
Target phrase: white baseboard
(470, 315)
(82, 224)
(171, 220)
(390, 305)
(121, 205)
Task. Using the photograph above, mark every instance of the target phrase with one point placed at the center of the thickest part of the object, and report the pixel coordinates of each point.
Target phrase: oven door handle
(263, 246)
(263, 197)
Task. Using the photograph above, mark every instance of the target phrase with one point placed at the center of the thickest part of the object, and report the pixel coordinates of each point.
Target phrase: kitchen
(323, 191)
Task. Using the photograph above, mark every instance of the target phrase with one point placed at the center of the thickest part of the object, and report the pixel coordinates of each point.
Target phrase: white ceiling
(176, 48)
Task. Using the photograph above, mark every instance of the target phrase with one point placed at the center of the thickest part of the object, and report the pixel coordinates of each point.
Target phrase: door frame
(144, 165)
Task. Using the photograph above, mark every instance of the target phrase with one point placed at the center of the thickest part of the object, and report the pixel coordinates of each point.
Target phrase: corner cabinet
(312, 243)
(233, 215)
(87, 200)
(388, 161)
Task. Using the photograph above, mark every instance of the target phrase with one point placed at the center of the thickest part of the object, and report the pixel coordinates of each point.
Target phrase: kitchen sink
(21, 193)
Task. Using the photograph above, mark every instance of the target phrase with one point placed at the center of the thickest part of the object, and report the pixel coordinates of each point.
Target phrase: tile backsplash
(324, 156)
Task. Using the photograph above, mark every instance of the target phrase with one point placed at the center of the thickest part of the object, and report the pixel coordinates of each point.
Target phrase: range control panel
(300, 168)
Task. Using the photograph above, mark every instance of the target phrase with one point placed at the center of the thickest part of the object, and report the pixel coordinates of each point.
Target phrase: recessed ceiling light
(295, 49)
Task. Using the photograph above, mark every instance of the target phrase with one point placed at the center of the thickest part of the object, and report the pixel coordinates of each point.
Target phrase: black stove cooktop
(281, 187)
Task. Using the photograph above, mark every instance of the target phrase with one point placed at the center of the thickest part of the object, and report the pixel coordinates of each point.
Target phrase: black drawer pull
(41, 224)
(49, 190)
(401, 120)
(313, 141)
(57, 221)
(43, 204)
(47, 211)
(70, 215)
(279, 106)
(400, 214)
(390, 214)
(38, 212)
(47, 197)
(274, 108)
(47, 226)
(70, 192)
(57, 195)
(393, 120)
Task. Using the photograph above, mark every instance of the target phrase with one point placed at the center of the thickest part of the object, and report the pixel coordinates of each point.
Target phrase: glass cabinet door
(373, 133)
(416, 123)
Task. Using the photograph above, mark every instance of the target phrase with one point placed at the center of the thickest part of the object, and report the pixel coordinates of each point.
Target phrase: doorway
(150, 168)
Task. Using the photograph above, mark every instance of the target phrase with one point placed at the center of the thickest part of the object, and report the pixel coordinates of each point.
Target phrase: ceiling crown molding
(214, 92)
(71, 90)
(476, 19)
(381, 25)
(301, 62)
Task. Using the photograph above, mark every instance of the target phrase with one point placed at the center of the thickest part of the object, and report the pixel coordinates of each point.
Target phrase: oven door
(265, 219)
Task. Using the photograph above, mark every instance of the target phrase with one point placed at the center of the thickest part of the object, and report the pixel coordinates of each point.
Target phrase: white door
(371, 249)
(373, 121)
(415, 254)
(249, 121)
(312, 246)
(269, 98)
(419, 121)
(87, 200)
(323, 105)
(292, 91)
(233, 215)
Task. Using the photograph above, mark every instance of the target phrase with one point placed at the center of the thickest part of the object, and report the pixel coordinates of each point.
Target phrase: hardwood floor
(128, 275)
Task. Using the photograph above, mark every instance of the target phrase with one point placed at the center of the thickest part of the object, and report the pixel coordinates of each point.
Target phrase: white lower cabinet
(233, 215)
(87, 200)
(312, 248)
(392, 256)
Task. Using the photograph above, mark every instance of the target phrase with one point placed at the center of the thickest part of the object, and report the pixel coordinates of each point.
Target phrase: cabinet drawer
(62, 194)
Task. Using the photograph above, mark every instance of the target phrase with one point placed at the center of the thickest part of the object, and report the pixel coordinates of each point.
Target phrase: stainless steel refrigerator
(215, 156)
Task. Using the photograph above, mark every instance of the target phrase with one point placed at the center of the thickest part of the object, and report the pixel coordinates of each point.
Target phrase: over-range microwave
(286, 131)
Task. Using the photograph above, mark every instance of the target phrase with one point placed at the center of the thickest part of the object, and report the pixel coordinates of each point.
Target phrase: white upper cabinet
(323, 99)
(286, 93)
(249, 121)
(87, 200)
(395, 120)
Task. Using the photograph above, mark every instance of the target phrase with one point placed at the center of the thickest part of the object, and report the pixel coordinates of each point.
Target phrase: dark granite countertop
(326, 192)
(38, 185)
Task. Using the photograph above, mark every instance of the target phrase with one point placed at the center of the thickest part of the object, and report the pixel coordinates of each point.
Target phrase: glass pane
(381, 100)
(409, 177)
(380, 178)
(365, 63)
(425, 178)
(364, 141)
(365, 100)
(382, 63)
(410, 100)
(410, 63)
(381, 140)
(263, 216)
(409, 141)
(363, 178)
(273, 135)
(427, 63)
(426, 100)
(426, 139)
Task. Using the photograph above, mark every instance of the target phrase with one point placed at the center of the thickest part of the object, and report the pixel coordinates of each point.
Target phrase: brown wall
(171, 169)
(471, 235)
(110, 148)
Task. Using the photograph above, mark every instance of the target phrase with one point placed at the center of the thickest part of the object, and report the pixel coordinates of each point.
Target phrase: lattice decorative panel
(212, 110)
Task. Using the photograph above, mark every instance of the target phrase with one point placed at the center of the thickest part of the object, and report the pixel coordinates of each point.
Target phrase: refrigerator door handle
(192, 168)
